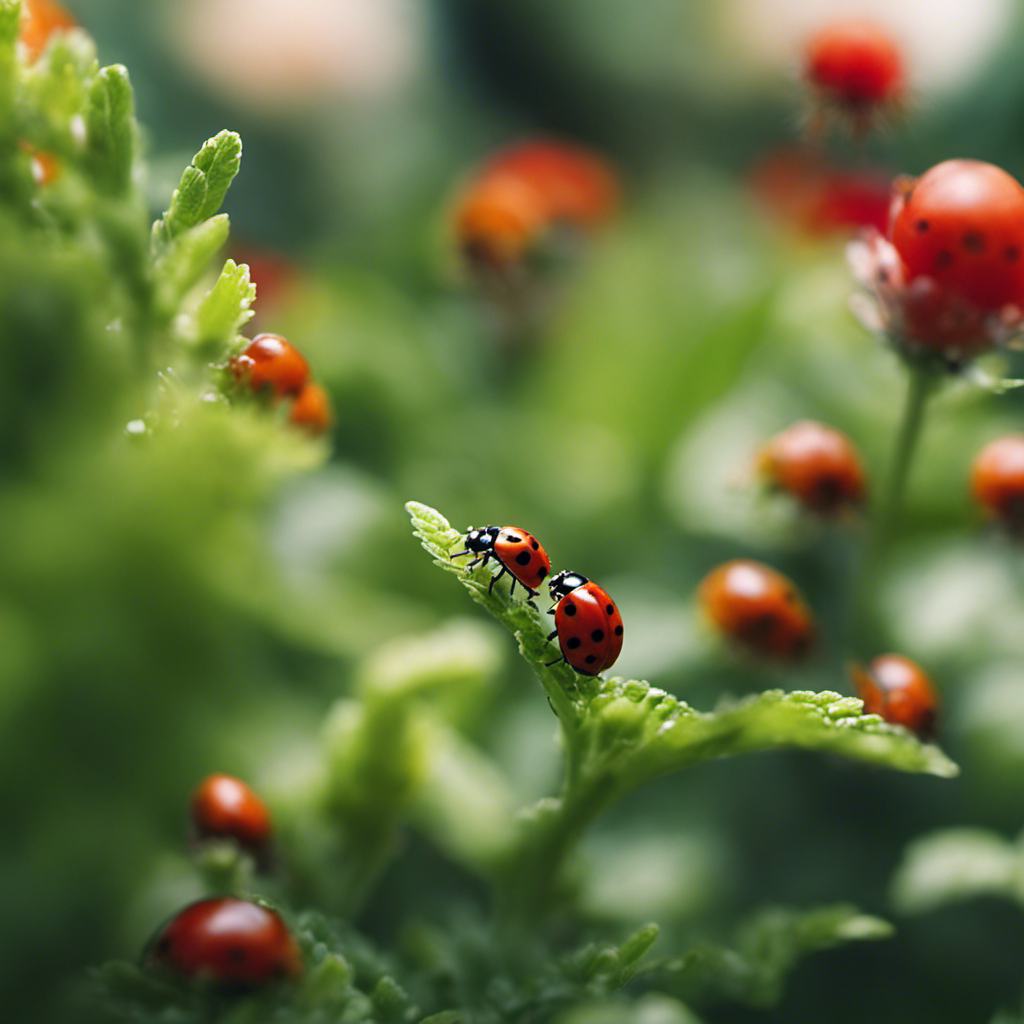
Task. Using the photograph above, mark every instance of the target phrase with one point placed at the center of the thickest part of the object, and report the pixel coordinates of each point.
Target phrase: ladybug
(898, 690)
(517, 552)
(758, 608)
(997, 481)
(816, 465)
(497, 220)
(224, 807)
(232, 942)
(587, 623)
(269, 362)
(311, 410)
(962, 225)
(856, 71)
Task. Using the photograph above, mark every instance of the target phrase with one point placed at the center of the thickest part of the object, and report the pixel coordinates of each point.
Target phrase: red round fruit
(758, 608)
(229, 941)
(961, 224)
(224, 807)
(312, 410)
(997, 481)
(898, 690)
(270, 362)
(816, 465)
(587, 623)
(855, 64)
(517, 552)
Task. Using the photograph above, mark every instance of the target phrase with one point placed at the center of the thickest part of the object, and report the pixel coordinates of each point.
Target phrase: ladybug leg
(552, 635)
(459, 554)
(494, 579)
(548, 664)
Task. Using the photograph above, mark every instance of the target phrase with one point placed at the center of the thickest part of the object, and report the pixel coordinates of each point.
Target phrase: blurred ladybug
(816, 465)
(855, 70)
(758, 608)
(522, 192)
(898, 690)
(271, 363)
(587, 623)
(517, 552)
(311, 410)
(224, 807)
(231, 942)
(997, 481)
(40, 19)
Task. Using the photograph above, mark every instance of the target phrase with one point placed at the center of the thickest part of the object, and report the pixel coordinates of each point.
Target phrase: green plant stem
(885, 520)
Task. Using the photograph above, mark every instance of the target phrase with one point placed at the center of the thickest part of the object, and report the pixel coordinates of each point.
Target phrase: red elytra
(224, 807)
(229, 941)
(270, 362)
(816, 465)
(587, 623)
(856, 64)
(898, 690)
(311, 410)
(497, 220)
(518, 553)
(757, 608)
(961, 225)
(997, 481)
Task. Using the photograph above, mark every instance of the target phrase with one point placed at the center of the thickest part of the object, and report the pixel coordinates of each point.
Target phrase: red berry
(997, 481)
(898, 690)
(855, 64)
(758, 608)
(224, 807)
(961, 224)
(312, 410)
(271, 362)
(816, 465)
(229, 941)
(40, 19)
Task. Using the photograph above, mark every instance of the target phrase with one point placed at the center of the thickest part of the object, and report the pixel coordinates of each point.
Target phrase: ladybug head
(564, 583)
(482, 539)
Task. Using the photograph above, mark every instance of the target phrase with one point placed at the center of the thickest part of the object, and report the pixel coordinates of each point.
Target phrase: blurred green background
(194, 611)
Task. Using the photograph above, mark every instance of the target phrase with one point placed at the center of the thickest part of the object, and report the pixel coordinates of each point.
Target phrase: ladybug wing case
(590, 637)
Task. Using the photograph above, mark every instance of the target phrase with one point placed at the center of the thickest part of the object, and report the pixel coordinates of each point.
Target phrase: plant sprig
(620, 734)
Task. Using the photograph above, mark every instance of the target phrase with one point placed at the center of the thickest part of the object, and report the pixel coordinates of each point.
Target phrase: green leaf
(10, 24)
(224, 309)
(767, 948)
(186, 260)
(958, 864)
(110, 129)
(203, 186)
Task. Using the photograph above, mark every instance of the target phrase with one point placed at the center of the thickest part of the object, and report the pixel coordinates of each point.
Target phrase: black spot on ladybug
(923, 225)
(597, 636)
(974, 241)
(609, 609)
(1011, 254)
(570, 608)
(572, 643)
(541, 573)
(524, 558)
(511, 538)
(534, 545)
(943, 259)
(590, 659)
(828, 490)
(236, 954)
(618, 631)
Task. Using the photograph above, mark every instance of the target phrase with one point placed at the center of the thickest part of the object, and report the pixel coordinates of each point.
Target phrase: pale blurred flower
(944, 41)
(277, 56)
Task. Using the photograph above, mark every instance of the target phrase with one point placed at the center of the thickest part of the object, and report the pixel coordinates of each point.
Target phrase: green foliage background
(203, 603)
